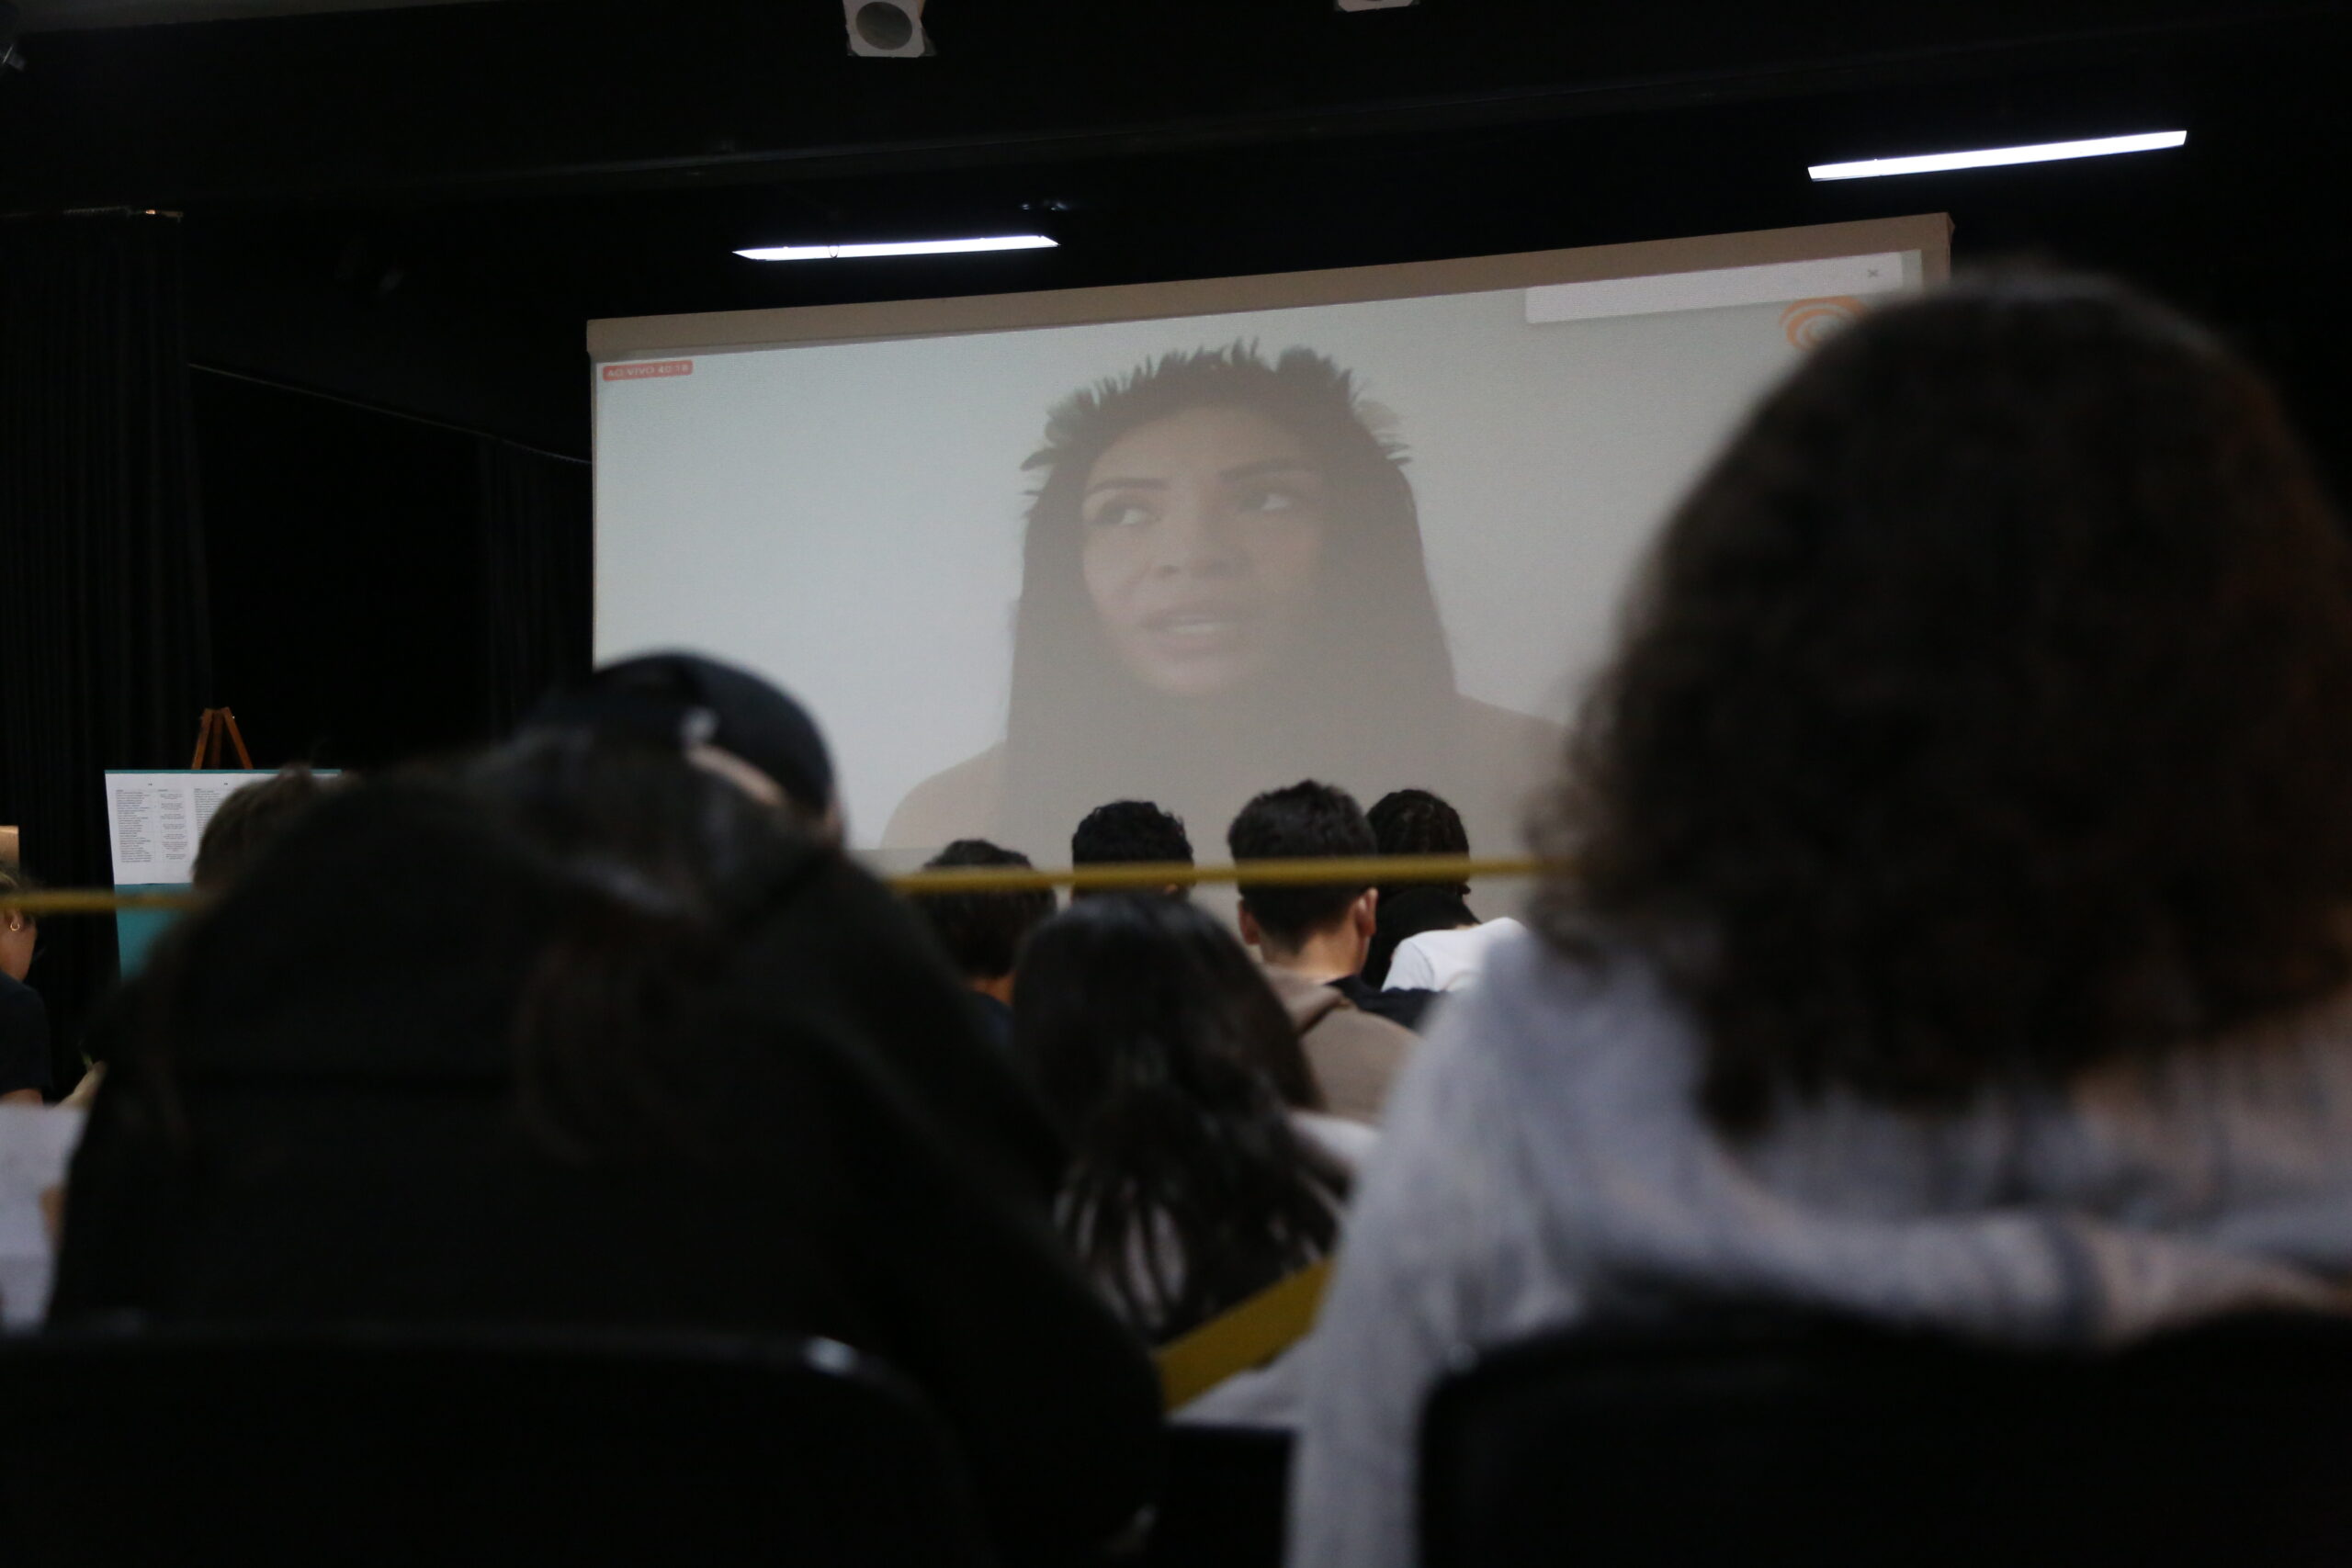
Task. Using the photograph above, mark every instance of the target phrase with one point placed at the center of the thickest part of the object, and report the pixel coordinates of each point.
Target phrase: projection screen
(1026, 554)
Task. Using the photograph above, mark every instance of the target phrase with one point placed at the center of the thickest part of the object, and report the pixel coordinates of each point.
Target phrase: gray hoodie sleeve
(1425, 1270)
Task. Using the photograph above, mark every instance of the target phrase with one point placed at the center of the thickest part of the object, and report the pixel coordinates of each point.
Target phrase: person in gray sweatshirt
(1958, 931)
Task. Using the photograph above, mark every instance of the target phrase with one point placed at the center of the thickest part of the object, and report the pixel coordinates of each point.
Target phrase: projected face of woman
(1204, 537)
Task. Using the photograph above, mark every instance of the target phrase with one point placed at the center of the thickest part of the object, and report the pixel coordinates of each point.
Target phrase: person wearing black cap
(607, 1043)
(731, 722)
(720, 718)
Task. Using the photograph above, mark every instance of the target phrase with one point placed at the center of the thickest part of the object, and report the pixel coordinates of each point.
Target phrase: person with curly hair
(1957, 934)
(1223, 584)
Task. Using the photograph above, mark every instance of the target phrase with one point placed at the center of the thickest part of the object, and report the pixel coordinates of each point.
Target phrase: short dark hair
(1415, 822)
(1304, 821)
(983, 932)
(252, 819)
(1130, 831)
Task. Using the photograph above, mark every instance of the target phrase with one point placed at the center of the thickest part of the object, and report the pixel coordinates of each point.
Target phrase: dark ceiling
(419, 208)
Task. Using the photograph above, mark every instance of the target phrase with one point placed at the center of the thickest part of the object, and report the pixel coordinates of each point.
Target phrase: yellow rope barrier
(986, 879)
(1175, 874)
(95, 901)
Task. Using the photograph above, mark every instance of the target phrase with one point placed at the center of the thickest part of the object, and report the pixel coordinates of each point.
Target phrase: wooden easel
(216, 723)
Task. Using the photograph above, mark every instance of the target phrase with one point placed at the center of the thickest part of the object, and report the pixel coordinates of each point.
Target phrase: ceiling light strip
(899, 248)
(1991, 157)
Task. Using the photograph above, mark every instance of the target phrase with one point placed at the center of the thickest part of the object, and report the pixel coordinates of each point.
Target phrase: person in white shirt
(1426, 940)
(1447, 960)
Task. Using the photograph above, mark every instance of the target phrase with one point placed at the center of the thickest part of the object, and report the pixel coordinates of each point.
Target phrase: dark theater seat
(411, 1447)
(1224, 1499)
(1830, 1446)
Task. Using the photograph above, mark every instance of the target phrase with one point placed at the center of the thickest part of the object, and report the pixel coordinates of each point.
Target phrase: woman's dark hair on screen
(1985, 713)
(1080, 730)
(1172, 1067)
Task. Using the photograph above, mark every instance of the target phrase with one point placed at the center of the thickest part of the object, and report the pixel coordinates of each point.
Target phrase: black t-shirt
(1408, 1006)
(24, 1038)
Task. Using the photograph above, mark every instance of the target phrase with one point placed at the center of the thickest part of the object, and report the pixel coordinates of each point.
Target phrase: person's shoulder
(959, 802)
(1360, 1028)
(1598, 1011)
(24, 1038)
(20, 1001)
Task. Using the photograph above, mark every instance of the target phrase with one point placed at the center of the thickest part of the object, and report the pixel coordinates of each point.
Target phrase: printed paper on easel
(156, 820)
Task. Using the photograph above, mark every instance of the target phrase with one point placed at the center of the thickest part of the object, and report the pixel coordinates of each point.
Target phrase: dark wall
(375, 579)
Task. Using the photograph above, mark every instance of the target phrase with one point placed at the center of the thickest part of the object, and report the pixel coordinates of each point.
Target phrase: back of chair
(1830, 1446)
(1224, 1500)
(403, 1446)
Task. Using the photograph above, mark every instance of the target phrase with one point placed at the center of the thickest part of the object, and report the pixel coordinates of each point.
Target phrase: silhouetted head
(983, 932)
(725, 720)
(1130, 832)
(250, 820)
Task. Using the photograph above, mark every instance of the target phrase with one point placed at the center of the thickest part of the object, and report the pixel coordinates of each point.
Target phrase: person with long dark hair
(587, 1034)
(1221, 584)
(1199, 1172)
(1957, 935)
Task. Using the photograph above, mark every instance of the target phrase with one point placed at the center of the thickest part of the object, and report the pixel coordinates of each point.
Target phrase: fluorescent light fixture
(899, 248)
(1990, 157)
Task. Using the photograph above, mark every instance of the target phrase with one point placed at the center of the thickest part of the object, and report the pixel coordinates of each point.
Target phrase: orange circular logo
(1809, 323)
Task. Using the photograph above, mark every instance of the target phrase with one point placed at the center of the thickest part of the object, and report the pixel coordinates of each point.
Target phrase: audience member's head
(582, 887)
(1128, 833)
(1172, 1067)
(250, 820)
(1304, 821)
(576, 891)
(983, 932)
(1415, 822)
(1981, 716)
(19, 927)
(724, 720)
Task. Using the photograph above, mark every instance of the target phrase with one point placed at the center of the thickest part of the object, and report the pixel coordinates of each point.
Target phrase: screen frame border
(618, 339)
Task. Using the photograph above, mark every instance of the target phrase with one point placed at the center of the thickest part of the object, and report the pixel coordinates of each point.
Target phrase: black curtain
(104, 645)
(538, 576)
(385, 588)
